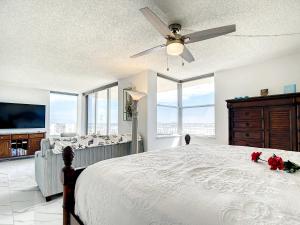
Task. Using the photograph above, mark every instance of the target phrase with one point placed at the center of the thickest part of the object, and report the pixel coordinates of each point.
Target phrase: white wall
(14, 94)
(144, 82)
(248, 81)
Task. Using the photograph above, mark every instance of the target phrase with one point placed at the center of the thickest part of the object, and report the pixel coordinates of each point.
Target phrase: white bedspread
(190, 185)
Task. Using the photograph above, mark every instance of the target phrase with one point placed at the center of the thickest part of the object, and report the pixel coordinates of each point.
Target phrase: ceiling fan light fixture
(175, 48)
(175, 41)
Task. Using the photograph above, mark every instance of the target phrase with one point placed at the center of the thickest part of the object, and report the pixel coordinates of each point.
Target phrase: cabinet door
(280, 125)
(298, 127)
(5, 148)
(34, 145)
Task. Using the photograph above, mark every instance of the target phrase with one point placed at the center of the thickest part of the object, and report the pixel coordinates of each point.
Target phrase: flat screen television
(15, 116)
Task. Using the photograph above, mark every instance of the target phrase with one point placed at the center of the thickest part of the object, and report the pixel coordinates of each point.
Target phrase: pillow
(114, 138)
(85, 141)
(52, 141)
(60, 145)
(98, 141)
(125, 138)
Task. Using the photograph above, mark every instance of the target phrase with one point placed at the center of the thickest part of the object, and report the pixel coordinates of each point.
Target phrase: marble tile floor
(21, 202)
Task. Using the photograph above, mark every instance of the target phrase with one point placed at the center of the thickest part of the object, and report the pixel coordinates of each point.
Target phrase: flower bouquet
(275, 162)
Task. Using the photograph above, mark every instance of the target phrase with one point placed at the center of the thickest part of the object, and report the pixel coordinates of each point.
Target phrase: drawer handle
(247, 134)
(247, 124)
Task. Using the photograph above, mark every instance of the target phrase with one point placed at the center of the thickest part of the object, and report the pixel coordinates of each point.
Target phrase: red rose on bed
(275, 163)
(255, 156)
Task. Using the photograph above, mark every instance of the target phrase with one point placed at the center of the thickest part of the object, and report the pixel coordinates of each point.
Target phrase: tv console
(19, 145)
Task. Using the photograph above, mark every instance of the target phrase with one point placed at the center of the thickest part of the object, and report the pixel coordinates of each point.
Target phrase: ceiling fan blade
(158, 24)
(187, 55)
(207, 34)
(148, 51)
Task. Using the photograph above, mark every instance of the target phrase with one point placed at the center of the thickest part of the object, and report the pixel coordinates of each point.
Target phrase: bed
(188, 185)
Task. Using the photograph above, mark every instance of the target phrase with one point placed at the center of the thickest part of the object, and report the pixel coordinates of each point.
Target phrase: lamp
(136, 96)
(175, 48)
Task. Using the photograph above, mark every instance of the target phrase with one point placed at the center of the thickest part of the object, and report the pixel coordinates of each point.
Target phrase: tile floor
(21, 202)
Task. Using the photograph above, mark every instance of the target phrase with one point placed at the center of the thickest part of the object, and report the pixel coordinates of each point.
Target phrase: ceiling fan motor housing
(175, 45)
(175, 28)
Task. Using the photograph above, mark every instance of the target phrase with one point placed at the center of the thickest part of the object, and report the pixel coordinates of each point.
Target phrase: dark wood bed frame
(69, 176)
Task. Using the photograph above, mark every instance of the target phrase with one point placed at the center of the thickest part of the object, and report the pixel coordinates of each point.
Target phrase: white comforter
(190, 185)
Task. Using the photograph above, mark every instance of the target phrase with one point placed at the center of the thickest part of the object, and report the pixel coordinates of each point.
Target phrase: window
(167, 107)
(63, 113)
(198, 111)
(185, 107)
(91, 112)
(102, 110)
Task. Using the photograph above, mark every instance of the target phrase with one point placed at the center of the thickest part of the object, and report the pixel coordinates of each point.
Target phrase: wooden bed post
(187, 139)
(68, 178)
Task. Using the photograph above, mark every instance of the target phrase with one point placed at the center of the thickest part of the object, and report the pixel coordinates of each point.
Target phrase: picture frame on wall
(127, 105)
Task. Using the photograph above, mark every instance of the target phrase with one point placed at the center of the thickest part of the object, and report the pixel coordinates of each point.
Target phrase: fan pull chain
(182, 62)
(168, 63)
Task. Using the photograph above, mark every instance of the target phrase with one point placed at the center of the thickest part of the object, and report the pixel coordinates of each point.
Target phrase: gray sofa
(48, 165)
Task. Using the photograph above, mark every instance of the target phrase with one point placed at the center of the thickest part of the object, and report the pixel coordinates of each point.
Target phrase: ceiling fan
(175, 41)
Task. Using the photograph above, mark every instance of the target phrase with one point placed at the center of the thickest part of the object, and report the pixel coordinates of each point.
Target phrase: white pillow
(59, 146)
(98, 141)
(85, 141)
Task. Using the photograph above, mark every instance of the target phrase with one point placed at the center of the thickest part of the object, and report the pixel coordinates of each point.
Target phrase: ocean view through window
(102, 112)
(167, 107)
(186, 107)
(198, 107)
(63, 113)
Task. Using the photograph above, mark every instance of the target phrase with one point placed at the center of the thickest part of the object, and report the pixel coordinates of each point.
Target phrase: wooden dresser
(24, 144)
(265, 122)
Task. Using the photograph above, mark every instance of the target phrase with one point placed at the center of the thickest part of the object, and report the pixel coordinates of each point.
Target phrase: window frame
(106, 88)
(64, 94)
(168, 106)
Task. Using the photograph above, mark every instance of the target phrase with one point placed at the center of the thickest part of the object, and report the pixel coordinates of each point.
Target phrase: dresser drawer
(4, 137)
(248, 135)
(247, 114)
(19, 136)
(252, 143)
(37, 135)
(257, 124)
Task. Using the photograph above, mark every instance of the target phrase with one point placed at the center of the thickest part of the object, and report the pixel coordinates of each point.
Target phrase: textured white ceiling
(79, 45)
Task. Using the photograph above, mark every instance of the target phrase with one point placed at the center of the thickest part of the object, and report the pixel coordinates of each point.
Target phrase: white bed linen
(189, 185)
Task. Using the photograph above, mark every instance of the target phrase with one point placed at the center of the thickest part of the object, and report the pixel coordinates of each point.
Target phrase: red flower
(255, 156)
(275, 163)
